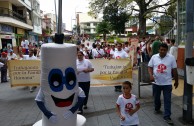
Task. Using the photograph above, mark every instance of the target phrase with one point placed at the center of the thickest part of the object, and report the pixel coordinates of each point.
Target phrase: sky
(70, 7)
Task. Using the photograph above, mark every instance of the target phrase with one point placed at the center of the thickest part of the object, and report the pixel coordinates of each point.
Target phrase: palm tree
(103, 28)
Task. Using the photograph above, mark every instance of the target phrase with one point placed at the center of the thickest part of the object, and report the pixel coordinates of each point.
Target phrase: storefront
(7, 37)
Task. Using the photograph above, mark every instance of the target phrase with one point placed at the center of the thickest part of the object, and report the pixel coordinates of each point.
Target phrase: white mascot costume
(59, 96)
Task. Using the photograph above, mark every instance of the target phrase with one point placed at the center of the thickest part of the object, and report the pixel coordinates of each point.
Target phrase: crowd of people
(160, 55)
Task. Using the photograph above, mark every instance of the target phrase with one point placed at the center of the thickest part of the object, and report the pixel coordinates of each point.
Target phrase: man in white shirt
(160, 67)
(11, 55)
(173, 49)
(143, 49)
(99, 52)
(119, 54)
(30, 57)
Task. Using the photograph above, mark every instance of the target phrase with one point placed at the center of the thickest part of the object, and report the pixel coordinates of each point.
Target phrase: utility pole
(56, 13)
(188, 89)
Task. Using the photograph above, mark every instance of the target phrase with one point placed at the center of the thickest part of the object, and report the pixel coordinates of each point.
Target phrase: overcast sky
(69, 9)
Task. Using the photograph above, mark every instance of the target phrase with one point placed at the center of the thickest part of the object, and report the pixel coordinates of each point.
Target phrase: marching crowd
(161, 57)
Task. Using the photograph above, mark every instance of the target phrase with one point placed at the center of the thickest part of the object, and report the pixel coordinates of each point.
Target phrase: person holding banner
(30, 57)
(84, 67)
(119, 54)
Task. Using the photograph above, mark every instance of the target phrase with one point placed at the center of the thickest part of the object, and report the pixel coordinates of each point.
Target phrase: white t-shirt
(40, 96)
(126, 49)
(23, 44)
(99, 53)
(26, 57)
(14, 56)
(120, 54)
(26, 44)
(174, 51)
(143, 46)
(162, 68)
(125, 106)
(82, 65)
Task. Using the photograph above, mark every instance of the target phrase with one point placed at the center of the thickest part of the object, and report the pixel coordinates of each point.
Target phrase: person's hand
(176, 84)
(53, 118)
(67, 114)
(122, 118)
(86, 71)
(151, 78)
(131, 112)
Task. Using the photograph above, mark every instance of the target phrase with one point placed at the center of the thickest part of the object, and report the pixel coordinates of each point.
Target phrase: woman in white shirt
(84, 67)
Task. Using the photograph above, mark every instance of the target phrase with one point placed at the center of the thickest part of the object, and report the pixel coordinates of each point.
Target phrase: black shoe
(157, 112)
(169, 121)
(85, 107)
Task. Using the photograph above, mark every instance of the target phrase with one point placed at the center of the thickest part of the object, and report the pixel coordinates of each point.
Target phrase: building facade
(15, 22)
(87, 23)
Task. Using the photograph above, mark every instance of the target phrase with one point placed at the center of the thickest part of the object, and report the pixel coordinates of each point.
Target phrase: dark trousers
(3, 75)
(143, 56)
(167, 91)
(85, 86)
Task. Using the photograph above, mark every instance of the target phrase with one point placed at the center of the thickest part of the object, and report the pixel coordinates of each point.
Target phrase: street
(18, 107)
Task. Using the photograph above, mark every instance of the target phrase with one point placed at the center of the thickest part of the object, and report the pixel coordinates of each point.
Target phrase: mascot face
(60, 81)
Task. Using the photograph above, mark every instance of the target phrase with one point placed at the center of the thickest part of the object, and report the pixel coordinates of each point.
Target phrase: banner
(106, 72)
(110, 72)
(24, 72)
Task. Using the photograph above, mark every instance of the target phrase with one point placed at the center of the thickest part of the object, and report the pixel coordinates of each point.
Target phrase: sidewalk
(18, 108)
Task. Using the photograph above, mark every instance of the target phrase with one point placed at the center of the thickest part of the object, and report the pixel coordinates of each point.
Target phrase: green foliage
(103, 28)
(143, 8)
(116, 16)
(166, 24)
(112, 38)
(129, 34)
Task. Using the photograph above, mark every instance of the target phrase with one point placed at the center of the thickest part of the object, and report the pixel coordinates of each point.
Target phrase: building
(15, 22)
(35, 34)
(51, 27)
(87, 23)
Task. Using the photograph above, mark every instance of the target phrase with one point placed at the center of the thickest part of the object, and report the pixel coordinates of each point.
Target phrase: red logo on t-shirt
(161, 68)
(128, 107)
(118, 57)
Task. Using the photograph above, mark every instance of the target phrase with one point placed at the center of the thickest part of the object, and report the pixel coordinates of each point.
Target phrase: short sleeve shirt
(120, 54)
(125, 106)
(162, 68)
(82, 65)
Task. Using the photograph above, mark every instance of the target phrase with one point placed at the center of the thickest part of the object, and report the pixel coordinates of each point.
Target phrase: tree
(116, 16)
(103, 28)
(142, 8)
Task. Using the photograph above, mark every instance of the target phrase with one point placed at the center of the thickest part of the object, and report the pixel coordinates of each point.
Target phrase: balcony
(13, 18)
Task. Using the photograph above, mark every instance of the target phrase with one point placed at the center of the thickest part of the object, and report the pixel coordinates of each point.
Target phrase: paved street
(18, 108)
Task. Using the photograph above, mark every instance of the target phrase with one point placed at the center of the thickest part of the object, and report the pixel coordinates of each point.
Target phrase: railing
(9, 13)
(172, 33)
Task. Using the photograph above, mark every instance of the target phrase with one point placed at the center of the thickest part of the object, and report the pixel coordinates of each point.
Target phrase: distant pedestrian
(173, 49)
(155, 45)
(119, 54)
(160, 67)
(84, 67)
(127, 106)
(4, 60)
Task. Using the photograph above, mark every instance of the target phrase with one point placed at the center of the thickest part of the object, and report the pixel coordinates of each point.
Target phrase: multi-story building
(36, 16)
(51, 29)
(15, 21)
(87, 23)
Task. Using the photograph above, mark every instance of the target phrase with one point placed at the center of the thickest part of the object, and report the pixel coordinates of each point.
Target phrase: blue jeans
(167, 91)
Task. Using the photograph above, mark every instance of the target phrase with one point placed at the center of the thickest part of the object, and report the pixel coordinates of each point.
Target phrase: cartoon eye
(56, 83)
(70, 78)
(55, 79)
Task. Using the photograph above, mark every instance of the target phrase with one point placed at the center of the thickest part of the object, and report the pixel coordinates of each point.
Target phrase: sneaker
(85, 107)
(80, 112)
(157, 112)
(169, 121)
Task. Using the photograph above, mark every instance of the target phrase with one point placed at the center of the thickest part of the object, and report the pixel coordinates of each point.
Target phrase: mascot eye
(71, 82)
(70, 78)
(56, 83)
(55, 79)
